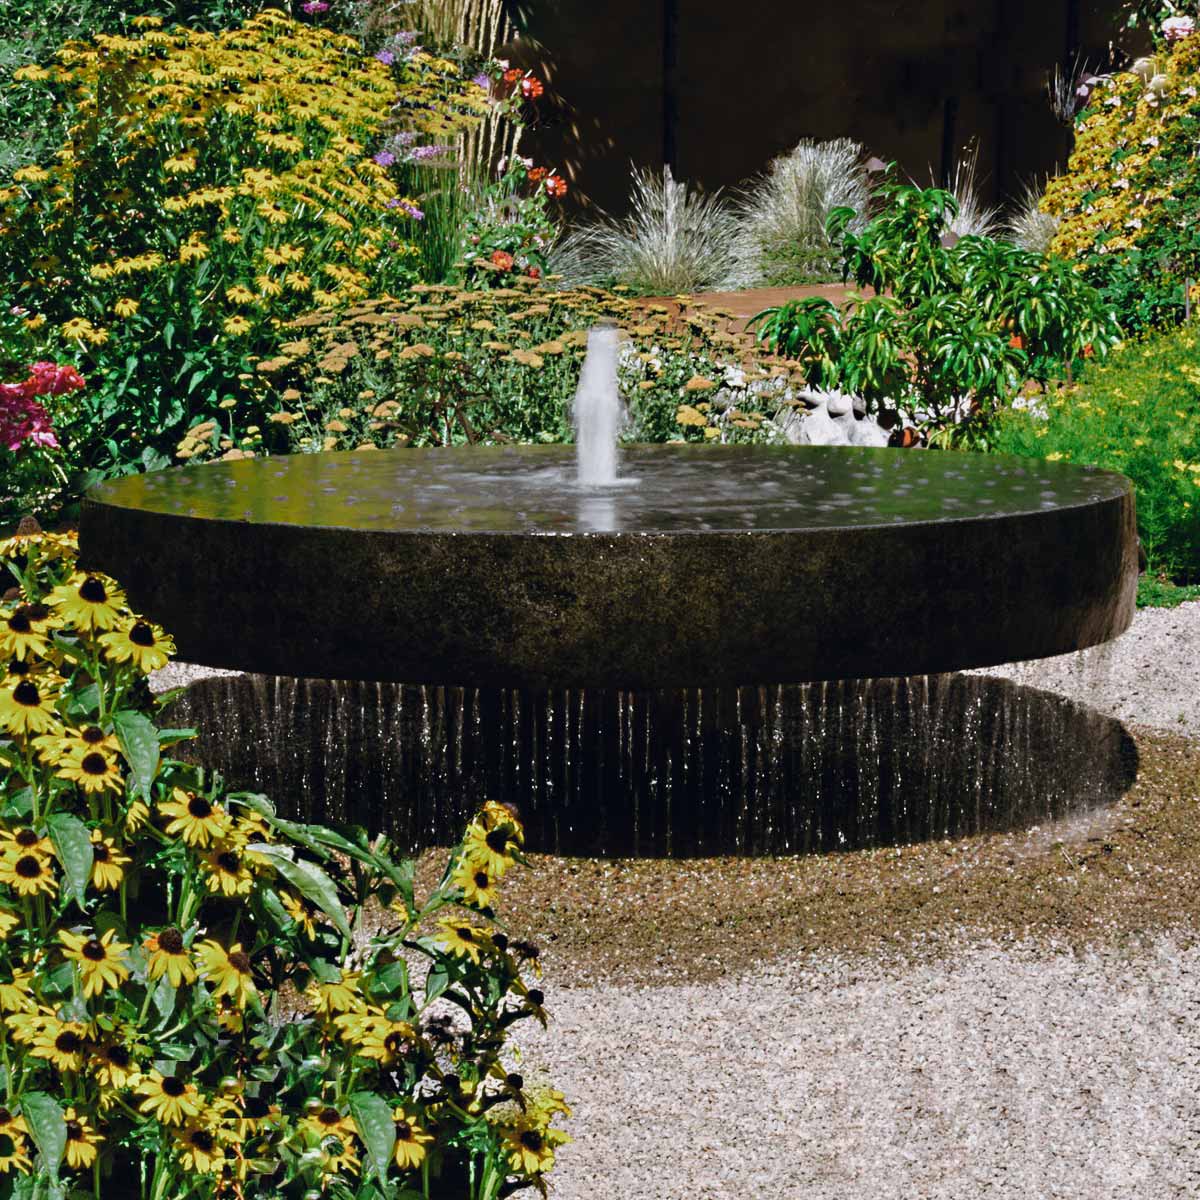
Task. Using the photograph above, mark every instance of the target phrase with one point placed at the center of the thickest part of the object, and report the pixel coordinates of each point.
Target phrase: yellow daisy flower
(113, 1065)
(236, 326)
(411, 1141)
(344, 995)
(301, 913)
(57, 748)
(168, 1098)
(477, 884)
(108, 863)
(489, 848)
(61, 1043)
(125, 307)
(8, 922)
(27, 706)
(101, 961)
(28, 875)
(240, 295)
(197, 820)
(170, 957)
(530, 1149)
(24, 632)
(14, 1152)
(94, 771)
(460, 939)
(229, 971)
(89, 601)
(142, 642)
(24, 840)
(199, 1149)
(328, 1122)
(225, 871)
(16, 996)
(83, 1142)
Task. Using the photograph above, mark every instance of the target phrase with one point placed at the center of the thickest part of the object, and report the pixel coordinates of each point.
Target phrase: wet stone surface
(532, 490)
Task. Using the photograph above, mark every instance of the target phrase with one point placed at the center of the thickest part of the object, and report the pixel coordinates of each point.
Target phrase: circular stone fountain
(632, 647)
(705, 566)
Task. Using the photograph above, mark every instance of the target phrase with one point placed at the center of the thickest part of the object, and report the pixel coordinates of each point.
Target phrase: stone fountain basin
(707, 566)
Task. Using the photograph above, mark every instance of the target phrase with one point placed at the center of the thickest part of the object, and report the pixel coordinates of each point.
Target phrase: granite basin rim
(628, 608)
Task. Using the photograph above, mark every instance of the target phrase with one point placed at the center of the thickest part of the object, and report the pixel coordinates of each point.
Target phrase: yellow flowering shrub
(199, 998)
(1129, 204)
(211, 186)
(447, 365)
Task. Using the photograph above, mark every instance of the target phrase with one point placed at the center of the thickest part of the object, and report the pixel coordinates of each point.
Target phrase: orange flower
(512, 75)
(531, 88)
(1017, 342)
(502, 259)
(537, 174)
(556, 186)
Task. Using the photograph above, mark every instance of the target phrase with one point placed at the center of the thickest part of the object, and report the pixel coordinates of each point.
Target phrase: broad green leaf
(377, 1128)
(73, 844)
(311, 882)
(47, 1127)
(436, 982)
(139, 742)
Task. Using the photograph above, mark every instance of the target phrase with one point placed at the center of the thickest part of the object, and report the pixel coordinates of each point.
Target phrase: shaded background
(717, 91)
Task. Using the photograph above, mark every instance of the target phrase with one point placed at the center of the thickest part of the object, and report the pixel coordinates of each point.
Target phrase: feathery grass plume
(781, 214)
(974, 218)
(1028, 226)
(1068, 89)
(675, 239)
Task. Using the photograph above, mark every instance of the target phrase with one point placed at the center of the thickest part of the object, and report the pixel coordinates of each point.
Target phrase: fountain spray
(597, 410)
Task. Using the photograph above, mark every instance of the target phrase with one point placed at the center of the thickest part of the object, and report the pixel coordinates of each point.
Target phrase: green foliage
(955, 324)
(1128, 205)
(209, 188)
(201, 998)
(1138, 413)
(450, 366)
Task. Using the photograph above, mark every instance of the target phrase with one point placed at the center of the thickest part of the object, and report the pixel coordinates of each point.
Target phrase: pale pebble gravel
(1005, 1072)
(1148, 676)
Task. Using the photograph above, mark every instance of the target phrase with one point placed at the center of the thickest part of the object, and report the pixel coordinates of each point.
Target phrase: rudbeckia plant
(200, 998)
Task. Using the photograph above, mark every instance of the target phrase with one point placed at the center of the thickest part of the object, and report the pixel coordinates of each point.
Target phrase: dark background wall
(717, 89)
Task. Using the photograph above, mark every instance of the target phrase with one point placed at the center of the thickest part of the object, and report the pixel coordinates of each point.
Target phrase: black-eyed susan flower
(89, 601)
(142, 643)
(338, 996)
(225, 871)
(113, 1065)
(8, 922)
(170, 957)
(108, 863)
(250, 1114)
(28, 874)
(530, 1147)
(16, 994)
(137, 816)
(101, 961)
(27, 705)
(125, 307)
(387, 1041)
(94, 771)
(301, 913)
(411, 1141)
(24, 840)
(478, 886)
(83, 1142)
(14, 1151)
(62, 1043)
(24, 631)
(55, 748)
(489, 849)
(461, 939)
(168, 1098)
(229, 971)
(328, 1122)
(197, 820)
(199, 1148)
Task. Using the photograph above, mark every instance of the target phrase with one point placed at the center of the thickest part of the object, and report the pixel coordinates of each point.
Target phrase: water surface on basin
(675, 488)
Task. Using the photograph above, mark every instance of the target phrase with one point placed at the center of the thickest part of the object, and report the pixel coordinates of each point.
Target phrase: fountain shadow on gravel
(745, 771)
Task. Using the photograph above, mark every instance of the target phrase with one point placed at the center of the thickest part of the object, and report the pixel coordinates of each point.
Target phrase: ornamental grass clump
(447, 366)
(1128, 205)
(199, 998)
(210, 187)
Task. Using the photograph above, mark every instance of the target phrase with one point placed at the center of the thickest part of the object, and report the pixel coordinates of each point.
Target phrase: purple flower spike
(385, 158)
(386, 57)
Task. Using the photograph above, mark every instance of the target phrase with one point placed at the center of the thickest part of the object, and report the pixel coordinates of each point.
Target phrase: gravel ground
(1014, 1072)
(1015, 1016)
(1150, 676)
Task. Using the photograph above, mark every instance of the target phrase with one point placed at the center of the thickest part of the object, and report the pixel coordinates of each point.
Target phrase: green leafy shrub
(447, 366)
(954, 325)
(211, 187)
(203, 999)
(1138, 413)
(1128, 205)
